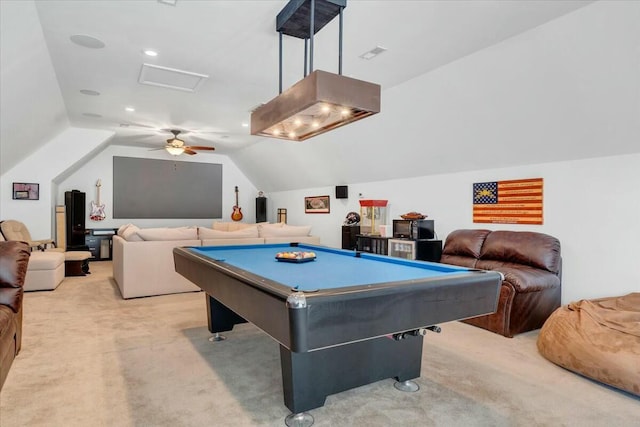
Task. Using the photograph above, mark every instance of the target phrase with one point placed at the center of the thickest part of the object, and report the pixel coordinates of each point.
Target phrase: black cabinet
(373, 244)
(421, 249)
(100, 244)
(350, 237)
(429, 250)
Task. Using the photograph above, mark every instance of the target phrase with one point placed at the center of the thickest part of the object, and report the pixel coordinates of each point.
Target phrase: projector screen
(149, 188)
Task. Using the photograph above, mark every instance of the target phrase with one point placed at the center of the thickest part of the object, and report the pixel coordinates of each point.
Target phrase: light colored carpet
(90, 358)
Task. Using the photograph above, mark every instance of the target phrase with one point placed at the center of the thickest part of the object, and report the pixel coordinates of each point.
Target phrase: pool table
(342, 320)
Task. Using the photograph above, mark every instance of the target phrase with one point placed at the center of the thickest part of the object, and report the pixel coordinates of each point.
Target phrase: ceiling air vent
(171, 78)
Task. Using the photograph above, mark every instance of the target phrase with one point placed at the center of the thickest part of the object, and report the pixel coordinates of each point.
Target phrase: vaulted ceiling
(234, 44)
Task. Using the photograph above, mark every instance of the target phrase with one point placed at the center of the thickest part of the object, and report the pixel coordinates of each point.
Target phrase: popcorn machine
(373, 213)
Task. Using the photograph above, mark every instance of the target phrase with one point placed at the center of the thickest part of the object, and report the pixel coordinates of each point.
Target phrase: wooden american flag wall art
(516, 201)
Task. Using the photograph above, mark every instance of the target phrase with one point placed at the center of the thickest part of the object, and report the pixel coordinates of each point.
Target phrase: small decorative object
(353, 218)
(26, 191)
(296, 257)
(316, 204)
(413, 215)
(260, 193)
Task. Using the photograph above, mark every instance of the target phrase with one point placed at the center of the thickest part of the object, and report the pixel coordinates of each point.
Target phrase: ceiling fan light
(175, 151)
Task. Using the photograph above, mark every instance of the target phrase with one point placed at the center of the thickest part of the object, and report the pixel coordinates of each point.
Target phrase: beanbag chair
(598, 338)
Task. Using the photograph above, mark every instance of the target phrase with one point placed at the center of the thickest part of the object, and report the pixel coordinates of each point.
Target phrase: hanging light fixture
(321, 101)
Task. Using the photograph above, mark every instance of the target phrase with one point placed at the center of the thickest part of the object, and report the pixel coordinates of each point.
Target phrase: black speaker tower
(261, 209)
(75, 203)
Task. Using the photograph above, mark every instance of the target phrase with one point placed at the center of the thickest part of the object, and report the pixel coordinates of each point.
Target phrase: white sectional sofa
(143, 258)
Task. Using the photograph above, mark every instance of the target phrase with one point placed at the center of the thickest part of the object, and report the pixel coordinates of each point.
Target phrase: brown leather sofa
(14, 258)
(531, 265)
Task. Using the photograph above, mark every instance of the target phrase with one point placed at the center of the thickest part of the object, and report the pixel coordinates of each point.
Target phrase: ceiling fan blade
(189, 152)
(200, 147)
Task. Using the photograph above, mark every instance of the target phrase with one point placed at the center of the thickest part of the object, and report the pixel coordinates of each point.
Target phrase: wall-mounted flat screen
(150, 188)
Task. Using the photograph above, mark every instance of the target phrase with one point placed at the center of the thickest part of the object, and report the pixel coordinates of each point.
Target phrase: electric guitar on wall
(237, 211)
(97, 209)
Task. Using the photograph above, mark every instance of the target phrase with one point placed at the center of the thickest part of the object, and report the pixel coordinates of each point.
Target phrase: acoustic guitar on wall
(237, 211)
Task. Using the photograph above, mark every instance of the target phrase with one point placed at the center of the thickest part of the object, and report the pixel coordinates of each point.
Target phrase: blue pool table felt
(332, 268)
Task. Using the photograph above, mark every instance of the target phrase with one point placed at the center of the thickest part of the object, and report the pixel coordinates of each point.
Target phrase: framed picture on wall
(26, 191)
(316, 204)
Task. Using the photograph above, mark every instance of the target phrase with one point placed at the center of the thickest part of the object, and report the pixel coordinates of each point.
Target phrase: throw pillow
(231, 226)
(235, 226)
(207, 233)
(123, 228)
(285, 231)
(181, 233)
(130, 234)
(221, 226)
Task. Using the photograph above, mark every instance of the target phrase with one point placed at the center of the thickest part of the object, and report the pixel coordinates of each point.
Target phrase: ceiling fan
(176, 146)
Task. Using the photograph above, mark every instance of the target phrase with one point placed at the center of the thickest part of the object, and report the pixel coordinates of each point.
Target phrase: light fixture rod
(340, 44)
(306, 55)
(311, 28)
(280, 62)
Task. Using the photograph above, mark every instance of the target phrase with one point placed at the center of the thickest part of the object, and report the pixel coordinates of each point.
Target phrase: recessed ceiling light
(129, 109)
(169, 2)
(94, 115)
(373, 52)
(150, 52)
(87, 41)
(89, 92)
(245, 125)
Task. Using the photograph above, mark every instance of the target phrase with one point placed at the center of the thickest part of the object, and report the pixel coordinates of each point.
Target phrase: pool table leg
(219, 317)
(308, 378)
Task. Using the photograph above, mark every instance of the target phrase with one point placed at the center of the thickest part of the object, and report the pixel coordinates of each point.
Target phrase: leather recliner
(14, 258)
(531, 265)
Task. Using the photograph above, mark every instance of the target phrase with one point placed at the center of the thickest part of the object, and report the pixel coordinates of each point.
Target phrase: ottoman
(76, 263)
(45, 271)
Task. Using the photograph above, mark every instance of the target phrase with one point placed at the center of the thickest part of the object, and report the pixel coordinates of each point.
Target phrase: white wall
(101, 167)
(61, 155)
(592, 206)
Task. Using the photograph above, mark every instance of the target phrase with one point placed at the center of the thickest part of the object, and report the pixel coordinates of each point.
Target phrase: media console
(99, 242)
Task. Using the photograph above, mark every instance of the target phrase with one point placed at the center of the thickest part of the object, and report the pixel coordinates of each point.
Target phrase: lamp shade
(316, 104)
(175, 151)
